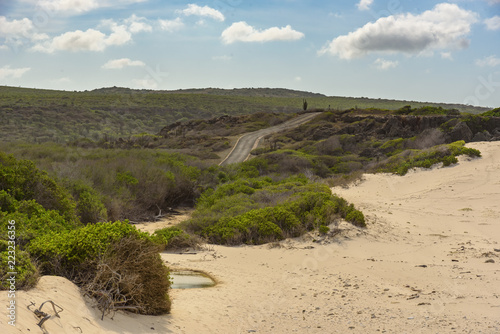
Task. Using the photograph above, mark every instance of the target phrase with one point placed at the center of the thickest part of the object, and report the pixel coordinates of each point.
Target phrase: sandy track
(249, 141)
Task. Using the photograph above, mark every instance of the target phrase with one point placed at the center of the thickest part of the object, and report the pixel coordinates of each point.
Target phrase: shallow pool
(188, 279)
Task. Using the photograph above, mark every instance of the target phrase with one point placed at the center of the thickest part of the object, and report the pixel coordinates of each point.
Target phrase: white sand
(367, 281)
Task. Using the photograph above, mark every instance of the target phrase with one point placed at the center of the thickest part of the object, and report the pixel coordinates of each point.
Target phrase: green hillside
(36, 115)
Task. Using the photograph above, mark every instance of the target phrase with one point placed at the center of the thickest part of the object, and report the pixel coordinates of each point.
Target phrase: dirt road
(249, 141)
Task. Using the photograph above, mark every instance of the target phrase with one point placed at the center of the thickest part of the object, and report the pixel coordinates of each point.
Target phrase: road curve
(249, 141)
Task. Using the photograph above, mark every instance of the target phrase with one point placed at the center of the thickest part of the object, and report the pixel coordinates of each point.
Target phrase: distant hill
(38, 115)
(257, 92)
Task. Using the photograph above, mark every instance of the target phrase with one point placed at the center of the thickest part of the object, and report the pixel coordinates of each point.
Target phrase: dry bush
(130, 276)
(330, 146)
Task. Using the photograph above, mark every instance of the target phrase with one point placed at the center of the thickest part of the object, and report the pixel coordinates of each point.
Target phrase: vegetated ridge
(37, 115)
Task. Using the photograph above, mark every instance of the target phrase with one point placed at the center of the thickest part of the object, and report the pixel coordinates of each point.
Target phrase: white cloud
(95, 40)
(117, 64)
(488, 61)
(119, 36)
(445, 26)
(171, 25)
(91, 40)
(446, 55)
(20, 29)
(138, 24)
(243, 32)
(4, 47)
(204, 11)
(383, 64)
(364, 4)
(77, 6)
(15, 73)
(297, 79)
(493, 23)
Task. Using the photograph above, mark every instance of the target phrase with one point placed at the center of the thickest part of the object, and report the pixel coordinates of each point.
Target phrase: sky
(396, 49)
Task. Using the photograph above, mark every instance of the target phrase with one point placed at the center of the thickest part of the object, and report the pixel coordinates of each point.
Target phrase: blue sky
(398, 49)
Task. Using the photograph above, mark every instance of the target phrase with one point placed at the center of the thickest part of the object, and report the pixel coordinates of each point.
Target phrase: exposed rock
(461, 132)
(482, 136)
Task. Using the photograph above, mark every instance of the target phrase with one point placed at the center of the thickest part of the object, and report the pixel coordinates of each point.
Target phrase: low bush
(112, 262)
(75, 246)
(174, 238)
(400, 164)
(27, 273)
(90, 207)
(32, 220)
(323, 229)
(22, 180)
(129, 275)
(272, 211)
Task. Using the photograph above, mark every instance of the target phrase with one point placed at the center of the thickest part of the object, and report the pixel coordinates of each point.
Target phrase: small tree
(304, 104)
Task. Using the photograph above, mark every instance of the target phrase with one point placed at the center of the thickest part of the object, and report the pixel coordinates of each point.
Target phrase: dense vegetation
(50, 239)
(116, 184)
(35, 115)
(260, 210)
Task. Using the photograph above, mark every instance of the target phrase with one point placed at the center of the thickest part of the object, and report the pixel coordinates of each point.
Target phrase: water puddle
(188, 279)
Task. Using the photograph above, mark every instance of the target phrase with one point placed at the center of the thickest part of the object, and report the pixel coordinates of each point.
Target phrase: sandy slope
(419, 267)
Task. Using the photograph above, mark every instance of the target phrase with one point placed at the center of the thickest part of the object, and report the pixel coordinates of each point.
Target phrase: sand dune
(429, 262)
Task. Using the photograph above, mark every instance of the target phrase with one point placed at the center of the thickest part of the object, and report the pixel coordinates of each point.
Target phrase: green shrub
(174, 237)
(356, 218)
(112, 262)
(7, 202)
(23, 181)
(273, 211)
(32, 221)
(492, 113)
(449, 160)
(27, 273)
(89, 207)
(446, 154)
(75, 246)
(252, 227)
(323, 229)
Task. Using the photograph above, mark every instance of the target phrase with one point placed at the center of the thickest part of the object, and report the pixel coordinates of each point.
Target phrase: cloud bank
(488, 61)
(243, 32)
(20, 29)
(6, 72)
(117, 64)
(204, 11)
(443, 27)
(95, 40)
